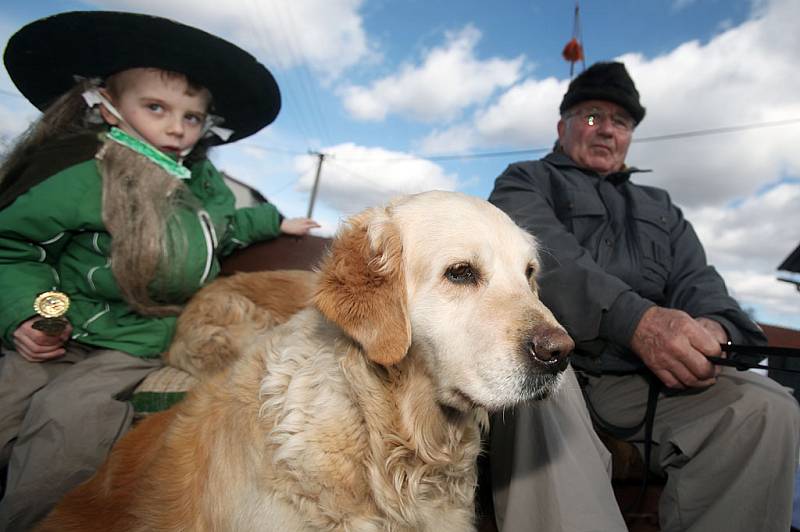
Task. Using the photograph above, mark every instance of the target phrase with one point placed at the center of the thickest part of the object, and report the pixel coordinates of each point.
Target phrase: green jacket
(52, 237)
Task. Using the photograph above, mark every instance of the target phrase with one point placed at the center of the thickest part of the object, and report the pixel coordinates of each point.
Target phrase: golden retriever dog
(362, 412)
(222, 318)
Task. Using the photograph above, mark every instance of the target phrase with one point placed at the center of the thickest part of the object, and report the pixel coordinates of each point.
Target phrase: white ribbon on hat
(94, 97)
(212, 125)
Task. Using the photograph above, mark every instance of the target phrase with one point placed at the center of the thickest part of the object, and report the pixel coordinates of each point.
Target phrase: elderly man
(625, 273)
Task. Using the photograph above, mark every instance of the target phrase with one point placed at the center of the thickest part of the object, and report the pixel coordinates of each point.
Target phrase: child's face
(163, 109)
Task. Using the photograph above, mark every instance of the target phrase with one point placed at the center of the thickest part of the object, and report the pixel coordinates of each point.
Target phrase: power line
(302, 76)
(655, 138)
(487, 154)
(378, 185)
(291, 182)
(445, 157)
(268, 43)
(481, 155)
(718, 130)
(272, 149)
(283, 187)
(310, 83)
(411, 157)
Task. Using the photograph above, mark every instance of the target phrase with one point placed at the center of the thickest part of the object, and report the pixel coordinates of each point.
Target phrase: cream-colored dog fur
(362, 412)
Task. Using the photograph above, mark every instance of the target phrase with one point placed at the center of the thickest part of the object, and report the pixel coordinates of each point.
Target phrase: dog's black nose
(551, 347)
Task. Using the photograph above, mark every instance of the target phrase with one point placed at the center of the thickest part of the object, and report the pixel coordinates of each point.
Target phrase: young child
(109, 200)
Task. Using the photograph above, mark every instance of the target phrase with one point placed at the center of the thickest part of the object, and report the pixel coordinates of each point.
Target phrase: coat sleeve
(589, 302)
(33, 231)
(252, 224)
(244, 226)
(695, 287)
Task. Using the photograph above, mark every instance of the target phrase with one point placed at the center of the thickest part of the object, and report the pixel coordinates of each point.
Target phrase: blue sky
(390, 90)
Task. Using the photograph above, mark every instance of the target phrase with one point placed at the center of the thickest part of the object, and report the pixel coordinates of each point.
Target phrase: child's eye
(194, 120)
(155, 107)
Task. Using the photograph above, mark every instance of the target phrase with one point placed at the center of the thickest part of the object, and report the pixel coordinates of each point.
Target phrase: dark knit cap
(607, 81)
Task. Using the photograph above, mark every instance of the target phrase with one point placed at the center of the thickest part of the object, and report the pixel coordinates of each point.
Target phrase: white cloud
(746, 242)
(355, 177)
(460, 138)
(525, 115)
(326, 35)
(678, 5)
(448, 80)
(766, 225)
(745, 75)
(763, 291)
(524, 111)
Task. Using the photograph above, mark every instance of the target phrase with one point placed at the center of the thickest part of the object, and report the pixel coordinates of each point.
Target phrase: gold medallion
(51, 304)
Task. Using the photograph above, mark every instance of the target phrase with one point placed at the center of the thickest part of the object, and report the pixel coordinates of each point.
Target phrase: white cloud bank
(745, 75)
(746, 242)
(448, 80)
(327, 36)
(355, 177)
(740, 189)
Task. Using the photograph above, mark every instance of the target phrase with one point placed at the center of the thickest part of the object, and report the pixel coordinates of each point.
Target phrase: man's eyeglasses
(593, 117)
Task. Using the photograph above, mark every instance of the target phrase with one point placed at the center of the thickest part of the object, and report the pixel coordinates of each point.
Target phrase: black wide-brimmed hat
(607, 81)
(44, 58)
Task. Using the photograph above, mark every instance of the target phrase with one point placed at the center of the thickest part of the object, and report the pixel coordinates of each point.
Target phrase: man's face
(160, 107)
(596, 134)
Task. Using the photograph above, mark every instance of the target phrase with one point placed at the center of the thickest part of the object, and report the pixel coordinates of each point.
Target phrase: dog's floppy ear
(362, 286)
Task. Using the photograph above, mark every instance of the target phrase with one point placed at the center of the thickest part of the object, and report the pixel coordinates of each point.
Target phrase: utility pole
(321, 157)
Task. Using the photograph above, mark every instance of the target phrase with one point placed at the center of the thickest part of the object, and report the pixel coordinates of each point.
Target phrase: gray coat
(610, 250)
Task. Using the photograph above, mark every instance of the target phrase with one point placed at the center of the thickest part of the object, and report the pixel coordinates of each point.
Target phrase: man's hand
(674, 346)
(716, 330)
(35, 346)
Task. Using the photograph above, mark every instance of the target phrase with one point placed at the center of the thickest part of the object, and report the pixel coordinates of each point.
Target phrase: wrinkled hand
(35, 346)
(716, 330)
(298, 226)
(674, 346)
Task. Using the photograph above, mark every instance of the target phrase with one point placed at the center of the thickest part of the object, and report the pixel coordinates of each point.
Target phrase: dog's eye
(461, 274)
(530, 271)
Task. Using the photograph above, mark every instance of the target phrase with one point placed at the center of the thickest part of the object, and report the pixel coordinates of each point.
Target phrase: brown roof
(781, 336)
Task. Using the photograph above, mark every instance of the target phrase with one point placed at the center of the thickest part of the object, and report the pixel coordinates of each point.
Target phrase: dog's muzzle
(550, 348)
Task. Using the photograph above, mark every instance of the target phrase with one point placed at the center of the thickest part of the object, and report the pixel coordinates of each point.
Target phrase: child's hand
(298, 226)
(35, 346)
